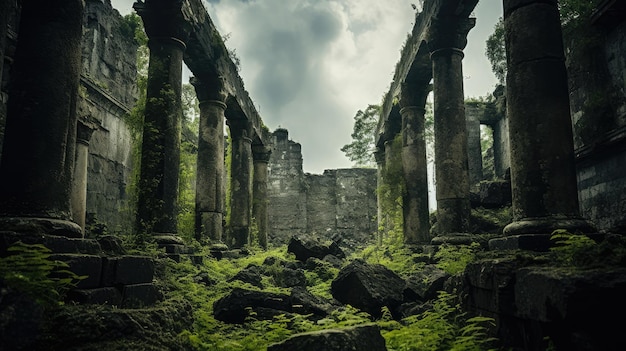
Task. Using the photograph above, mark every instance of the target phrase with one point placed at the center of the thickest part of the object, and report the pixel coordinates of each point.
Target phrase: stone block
(140, 295)
(127, 270)
(100, 296)
(89, 266)
(57, 244)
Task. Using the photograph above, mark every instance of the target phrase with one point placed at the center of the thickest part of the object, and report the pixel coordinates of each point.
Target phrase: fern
(29, 270)
(454, 258)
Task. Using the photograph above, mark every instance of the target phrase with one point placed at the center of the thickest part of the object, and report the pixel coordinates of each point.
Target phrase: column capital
(449, 34)
(240, 128)
(164, 20)
(210, 90)
(414, 96)
(261, 153)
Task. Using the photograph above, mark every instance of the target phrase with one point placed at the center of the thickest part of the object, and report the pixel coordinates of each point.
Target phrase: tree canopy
(360, 150)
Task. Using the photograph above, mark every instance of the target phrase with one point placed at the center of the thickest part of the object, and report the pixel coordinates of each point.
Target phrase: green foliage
(444, 327)
(454, 258)
(390, 192)
(579, 250)
(360, 150)
(496, 52)
(573, 14)
(131, 27)
(29, 270)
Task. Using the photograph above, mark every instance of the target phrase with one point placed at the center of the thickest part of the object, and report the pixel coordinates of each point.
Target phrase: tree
(573, 13)
(360, 150)
(496, 51)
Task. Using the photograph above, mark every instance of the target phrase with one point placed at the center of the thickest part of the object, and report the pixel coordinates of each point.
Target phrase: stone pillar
(388, 222)
(261, 157)
(414, 165)
(446, 40)
(40, 137)
(379, 155)
(210, 187)
(240, 183)
(474, 148)
(84, 131)
(543, 174)
(160, 151)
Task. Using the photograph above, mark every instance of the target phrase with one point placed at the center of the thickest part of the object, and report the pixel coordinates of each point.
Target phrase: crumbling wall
(109, 81)
(596, 63)
(339, 204)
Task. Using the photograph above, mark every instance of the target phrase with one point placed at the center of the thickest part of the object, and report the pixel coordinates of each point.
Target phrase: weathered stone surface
(251, 275)
(233, 308)
(304, 248)
(236, 306)
(425, 283)
(140, 295)
(126, 270)
(89, 266)
(360, 338)
(303, 302)
(100, 296)
(56, 244)
(368, 287)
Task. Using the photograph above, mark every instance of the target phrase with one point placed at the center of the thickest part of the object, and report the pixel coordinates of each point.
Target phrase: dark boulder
(368, 287)
(424, 284)
(304, 248)
(360, 338)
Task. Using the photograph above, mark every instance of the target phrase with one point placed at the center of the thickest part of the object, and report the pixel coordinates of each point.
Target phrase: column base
(547, 225)
(36, 225)
(239, 237)
(209, 227)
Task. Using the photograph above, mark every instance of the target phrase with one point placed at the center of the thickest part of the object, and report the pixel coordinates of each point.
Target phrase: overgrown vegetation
(29, 270)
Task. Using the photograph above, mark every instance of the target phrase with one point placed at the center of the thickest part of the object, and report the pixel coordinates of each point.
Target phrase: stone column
(414, 165)
(84, 131)
(240, 183)
(388, 223)
(160, 151)
(474, 148)
(40, 137)
(379, 155)
(543, 174)
(210, 187)
(446, 40)
(261, 157)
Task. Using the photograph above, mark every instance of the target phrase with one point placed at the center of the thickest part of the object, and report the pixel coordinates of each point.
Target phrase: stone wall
(339, 204)
(109, 79)
(596, 63)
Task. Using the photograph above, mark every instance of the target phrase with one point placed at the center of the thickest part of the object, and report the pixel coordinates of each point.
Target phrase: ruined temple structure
(558, 128)
(68, 84)
(338, 205)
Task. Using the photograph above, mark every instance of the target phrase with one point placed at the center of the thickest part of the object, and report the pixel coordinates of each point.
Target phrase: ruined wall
(596, 63)
(109, 80)
(339, 204)
(286, 189)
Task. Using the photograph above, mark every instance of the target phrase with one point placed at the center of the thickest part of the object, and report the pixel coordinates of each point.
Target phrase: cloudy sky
(310, 65)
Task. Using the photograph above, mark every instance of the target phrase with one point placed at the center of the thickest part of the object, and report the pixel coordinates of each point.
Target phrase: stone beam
(207, 57)
(415, 66)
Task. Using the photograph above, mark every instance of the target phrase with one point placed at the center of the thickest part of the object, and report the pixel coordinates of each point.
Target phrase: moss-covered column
(84, 130)
(40, 136)
(160, 151)
(446, 40)
(210, 187)
(543, 174)
(379, 155)
(414, 166)
(261, 157)
(240, 183)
